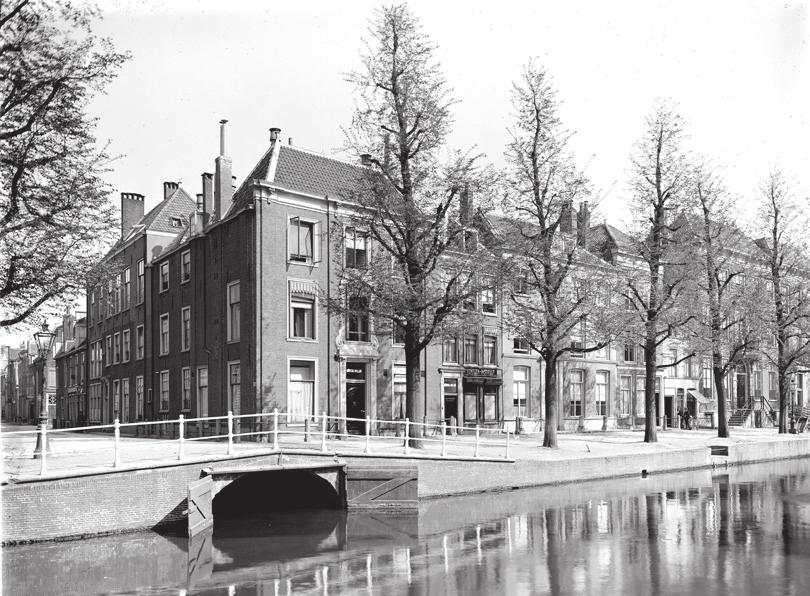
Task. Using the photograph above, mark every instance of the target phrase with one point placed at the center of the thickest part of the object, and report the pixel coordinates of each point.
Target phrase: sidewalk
(82, 452)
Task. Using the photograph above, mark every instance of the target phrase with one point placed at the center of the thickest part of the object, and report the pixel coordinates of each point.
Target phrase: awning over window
(303, 287)
(701, 399)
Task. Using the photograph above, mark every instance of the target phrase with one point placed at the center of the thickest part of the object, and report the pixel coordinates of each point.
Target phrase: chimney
(465, 206)
(200, 203)
(365, 159)
(568, 218)
(223, 189)
(68, 323)
(131, 211)
(583, 224)
(274, 132)
(289, 142)
(168, 189)
(208, 192)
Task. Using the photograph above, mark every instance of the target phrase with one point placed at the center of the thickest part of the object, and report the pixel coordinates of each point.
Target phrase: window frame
(140, 295)
(359, 319)
(163, 277)
(185, 329)
(601, 404)
(126, 345)
(298, 258)
(164, 376)
(234, 327)
(185, 266)
(185, 389)
(164, 348)
(575, 409)
(140, 342)
(521, 409)
(308, 303)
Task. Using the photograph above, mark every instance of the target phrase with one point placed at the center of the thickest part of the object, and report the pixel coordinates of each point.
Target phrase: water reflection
(742, 532)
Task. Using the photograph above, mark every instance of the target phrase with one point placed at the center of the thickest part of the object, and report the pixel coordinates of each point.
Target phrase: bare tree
(727, 301)
(786, 262)
(658, 178)
(561, 290)
(423, 264)
(54, 212)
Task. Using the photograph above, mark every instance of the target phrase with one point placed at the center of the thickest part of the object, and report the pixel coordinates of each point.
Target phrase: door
(451, 400)
(200, 512)
(741, 377)
(355, 397)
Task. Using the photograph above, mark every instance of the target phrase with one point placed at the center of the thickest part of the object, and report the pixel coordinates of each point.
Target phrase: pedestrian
(686, 419)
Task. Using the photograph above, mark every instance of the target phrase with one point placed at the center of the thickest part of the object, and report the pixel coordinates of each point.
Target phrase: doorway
(356, 397)
(741, 386)
(451, 400)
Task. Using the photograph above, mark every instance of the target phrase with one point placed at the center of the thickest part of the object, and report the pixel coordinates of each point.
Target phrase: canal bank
(45, 508)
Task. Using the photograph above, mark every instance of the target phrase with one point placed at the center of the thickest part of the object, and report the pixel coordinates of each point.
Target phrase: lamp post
(44, 339)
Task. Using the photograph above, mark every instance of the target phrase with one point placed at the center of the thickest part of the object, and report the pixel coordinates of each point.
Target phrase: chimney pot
(131, 211)
(274, 132)
(289, 141)
(222, 124)
(168, 189)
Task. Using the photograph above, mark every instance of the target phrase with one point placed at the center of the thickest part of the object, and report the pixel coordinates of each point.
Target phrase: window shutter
(316, 242)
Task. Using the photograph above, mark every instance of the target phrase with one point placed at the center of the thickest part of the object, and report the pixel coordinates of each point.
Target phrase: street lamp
(44, 339)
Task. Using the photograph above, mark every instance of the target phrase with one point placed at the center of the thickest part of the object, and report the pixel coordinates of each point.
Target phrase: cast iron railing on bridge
(275, 426)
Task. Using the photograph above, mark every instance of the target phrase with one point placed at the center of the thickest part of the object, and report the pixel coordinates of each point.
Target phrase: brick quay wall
(123, 501)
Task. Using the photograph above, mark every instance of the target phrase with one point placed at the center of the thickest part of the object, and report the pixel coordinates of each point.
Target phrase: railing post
(407, 436)
(43, 436)
(477, 439)
(275, 428)
(181, 436)
(507, 444)
(368, 435)
(230, 432)
(323, 432)
(444, 438)
(117, 443)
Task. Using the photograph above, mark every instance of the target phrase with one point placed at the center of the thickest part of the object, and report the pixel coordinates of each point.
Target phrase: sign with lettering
(479, 372)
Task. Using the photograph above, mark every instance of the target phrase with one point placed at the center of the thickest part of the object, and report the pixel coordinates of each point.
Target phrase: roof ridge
(323, 155)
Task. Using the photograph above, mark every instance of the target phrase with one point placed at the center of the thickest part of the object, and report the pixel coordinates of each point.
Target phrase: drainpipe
(328, 307)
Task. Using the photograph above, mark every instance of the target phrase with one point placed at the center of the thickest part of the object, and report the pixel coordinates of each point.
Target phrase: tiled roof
(178, 205)
(623, 241)
(300, 170)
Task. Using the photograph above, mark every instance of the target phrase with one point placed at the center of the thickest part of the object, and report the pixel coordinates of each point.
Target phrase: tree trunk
(550, 398)
(722, 415)
(650, 433)
(784, 388)
(414, 409)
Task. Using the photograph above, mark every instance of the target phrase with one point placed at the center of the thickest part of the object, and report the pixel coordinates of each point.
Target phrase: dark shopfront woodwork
(355, 396)
(482, 388)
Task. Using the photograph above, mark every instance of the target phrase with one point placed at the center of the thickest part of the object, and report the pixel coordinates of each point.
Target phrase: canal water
(737, 531)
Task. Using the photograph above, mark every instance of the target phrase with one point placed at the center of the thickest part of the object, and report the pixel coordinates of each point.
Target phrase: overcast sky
(739, 71)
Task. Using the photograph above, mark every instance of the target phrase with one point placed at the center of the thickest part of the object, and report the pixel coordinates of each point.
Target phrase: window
(93, 313)
(108, 355)
(125, 401)
(468, 302)
(139, 342)
(399, 332)
(641, 390)
(164, 276)
(520, 346)
(471, 349)
(576, 380)
(116, 394)
(185, 328)
(125, 295)
(629, 353)
(202, 391)
(520, 390)
(234, 319)
(117, 294)
(488, 297)
(358, 319)
(356, 249)
(141, 289)
(578, 342)
(185, 266)
(625, 387)
(116, 348)
(94, 413)
(125, 345)
(490, 350)
(139, 397)
(706, 377)
(399, 394)
(186, 394)
(164, 334)
(300, 240)
(176, 222)
(235, 388)
(601, 388)
(673, 354)
(302, 316)
(450, 350)
(164, 391)
(110, 298)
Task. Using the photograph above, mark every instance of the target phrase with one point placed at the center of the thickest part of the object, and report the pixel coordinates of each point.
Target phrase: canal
(738, 531)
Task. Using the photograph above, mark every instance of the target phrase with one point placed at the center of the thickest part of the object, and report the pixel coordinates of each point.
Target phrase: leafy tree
(561, 289)
(786, 261)
(54, 212)
(423, 263)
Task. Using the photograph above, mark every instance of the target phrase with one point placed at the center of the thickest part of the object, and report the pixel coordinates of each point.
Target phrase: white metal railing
(379, 437)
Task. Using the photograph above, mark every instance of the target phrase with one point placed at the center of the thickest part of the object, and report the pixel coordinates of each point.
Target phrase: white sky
(740, 71)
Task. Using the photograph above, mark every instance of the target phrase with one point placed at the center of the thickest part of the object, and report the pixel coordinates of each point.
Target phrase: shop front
(481, 390)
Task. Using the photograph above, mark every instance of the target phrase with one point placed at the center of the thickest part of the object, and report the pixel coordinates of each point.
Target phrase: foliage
(55, 218)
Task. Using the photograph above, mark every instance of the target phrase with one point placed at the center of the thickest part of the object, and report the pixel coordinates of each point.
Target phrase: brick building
(71, 390)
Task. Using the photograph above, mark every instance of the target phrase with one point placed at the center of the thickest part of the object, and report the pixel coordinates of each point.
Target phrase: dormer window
(176, 222)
